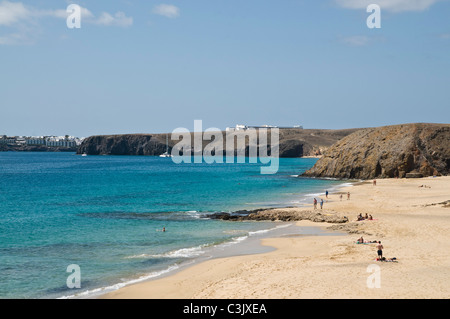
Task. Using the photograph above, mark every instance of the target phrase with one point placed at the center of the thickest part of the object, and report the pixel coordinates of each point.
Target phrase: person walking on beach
(348, 195)
(341, 197)
(379, 250)
(321, 203)
(315, 203)
(326, 194)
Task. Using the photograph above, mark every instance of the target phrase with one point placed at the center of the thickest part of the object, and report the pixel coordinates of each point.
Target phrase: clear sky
(152, 66)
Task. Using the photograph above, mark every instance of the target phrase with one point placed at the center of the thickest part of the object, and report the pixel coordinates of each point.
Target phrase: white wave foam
(103, 290)
(235, 240)
(262, 231)
(179, 253)
(193, 213)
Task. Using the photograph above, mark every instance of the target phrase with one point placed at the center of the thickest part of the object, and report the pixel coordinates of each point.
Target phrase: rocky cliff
(409, 150)
(129, 144)
(292, 143)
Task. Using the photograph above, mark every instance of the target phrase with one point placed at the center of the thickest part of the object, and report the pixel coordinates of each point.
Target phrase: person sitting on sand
(366, 216)
(370, 217)
(360, 240)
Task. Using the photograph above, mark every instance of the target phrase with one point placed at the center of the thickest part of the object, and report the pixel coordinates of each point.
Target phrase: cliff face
(292, 143)
(130, 144)
(391, 151)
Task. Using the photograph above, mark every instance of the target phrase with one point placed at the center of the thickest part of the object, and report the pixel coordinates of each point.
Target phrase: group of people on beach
(368, 217)
(379, 247)
(348, 196)
(315, 203)
(326, 195)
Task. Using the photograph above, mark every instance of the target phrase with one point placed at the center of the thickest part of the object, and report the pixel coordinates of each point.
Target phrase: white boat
(84, 154)
(166, 153)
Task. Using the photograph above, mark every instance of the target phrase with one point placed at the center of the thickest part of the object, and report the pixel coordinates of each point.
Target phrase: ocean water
(105, 214)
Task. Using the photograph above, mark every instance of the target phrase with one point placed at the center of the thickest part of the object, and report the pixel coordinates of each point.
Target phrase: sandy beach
(411, 219)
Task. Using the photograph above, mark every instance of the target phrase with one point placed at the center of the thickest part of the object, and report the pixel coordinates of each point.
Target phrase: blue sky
(152, 66)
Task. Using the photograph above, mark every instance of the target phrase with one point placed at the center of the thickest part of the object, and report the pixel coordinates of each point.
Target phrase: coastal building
(6, 140)
(35, 141)
(58, 141)
(21, 140)
(238, 127)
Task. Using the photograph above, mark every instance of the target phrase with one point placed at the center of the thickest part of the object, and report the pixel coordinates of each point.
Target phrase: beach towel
(394, 259)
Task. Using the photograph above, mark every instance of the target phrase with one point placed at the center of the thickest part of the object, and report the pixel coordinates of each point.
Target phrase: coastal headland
(404, 150)
(411, 218)
(292, 143)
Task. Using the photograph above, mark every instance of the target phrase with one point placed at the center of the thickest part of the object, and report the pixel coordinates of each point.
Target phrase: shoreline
(234, 246)
(250, 245)
(412, 225)
(310, 228)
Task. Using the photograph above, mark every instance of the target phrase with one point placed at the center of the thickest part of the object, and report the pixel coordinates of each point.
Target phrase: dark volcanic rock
(130, 144)
(292, 148)
(409, 150)
(35, 148)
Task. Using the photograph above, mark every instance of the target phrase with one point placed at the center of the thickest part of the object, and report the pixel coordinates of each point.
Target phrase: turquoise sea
(105, 214)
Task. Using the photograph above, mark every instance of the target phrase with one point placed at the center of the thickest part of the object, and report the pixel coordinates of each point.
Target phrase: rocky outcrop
(408, 150)
(282, 214)
(35, 148)
(292, 143)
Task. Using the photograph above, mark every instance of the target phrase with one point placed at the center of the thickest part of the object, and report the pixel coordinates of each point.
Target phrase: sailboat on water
(166, 153)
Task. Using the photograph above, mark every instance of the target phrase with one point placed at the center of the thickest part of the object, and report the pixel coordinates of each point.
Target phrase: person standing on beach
(326, 194)
(315, 203)
(379, 250)
(348, 195)
(321, 203)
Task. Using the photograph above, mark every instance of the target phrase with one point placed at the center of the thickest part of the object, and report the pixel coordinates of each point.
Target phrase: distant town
(43, 141)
